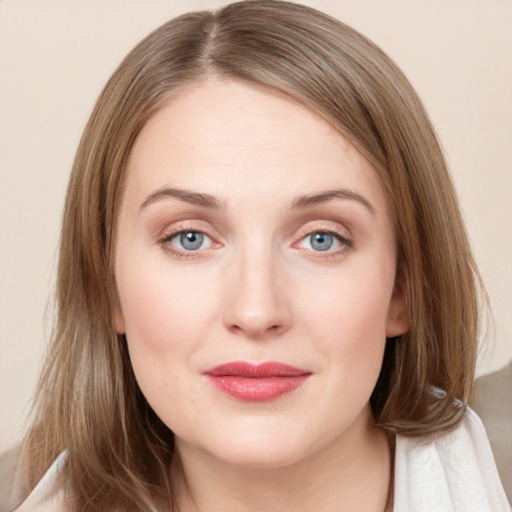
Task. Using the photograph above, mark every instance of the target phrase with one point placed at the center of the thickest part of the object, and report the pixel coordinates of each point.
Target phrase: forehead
(232, 139)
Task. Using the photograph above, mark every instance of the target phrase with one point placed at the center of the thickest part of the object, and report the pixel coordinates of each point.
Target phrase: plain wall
(55, 56)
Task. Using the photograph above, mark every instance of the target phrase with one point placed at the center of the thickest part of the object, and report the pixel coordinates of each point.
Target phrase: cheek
(346, 320)
(166, 319)
(350, 307)
(160, 309)
(166, 316)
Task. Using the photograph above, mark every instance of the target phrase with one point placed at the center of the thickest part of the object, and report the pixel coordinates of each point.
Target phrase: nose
(257, 302)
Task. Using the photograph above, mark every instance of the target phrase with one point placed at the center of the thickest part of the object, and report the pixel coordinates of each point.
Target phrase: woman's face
(252, 233)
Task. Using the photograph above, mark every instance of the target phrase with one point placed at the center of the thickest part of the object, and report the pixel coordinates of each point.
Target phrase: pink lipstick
(256, 383)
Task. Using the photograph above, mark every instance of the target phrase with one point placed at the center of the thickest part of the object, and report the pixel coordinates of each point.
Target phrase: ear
(398, 312)
(118, 319)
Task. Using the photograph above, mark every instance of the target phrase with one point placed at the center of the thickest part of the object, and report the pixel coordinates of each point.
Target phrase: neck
(352, 473)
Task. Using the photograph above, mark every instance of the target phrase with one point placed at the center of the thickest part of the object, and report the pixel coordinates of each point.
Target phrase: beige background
(55, 55)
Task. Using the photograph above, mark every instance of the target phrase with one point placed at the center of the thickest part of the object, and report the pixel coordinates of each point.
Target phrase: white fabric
(47, 496)
(453, 472)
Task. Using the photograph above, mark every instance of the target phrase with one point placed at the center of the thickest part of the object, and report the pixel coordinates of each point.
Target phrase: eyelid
(189, 226)
(171, 233)
(345, 239)
(188, 223)
(323, 226)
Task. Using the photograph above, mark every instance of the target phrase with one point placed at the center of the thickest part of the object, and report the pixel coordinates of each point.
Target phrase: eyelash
(347, 243)
(181, 254)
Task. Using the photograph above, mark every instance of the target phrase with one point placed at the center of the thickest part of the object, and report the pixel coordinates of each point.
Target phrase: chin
(261, 456)
(261, 445)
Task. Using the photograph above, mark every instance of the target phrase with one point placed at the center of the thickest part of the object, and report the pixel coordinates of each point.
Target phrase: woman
(266, 295)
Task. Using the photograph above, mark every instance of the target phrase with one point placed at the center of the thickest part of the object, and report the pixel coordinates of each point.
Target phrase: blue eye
(190, 240)
(324, 241)
(321, 241)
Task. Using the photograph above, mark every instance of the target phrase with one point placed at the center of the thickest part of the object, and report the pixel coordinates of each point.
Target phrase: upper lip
(256, 371)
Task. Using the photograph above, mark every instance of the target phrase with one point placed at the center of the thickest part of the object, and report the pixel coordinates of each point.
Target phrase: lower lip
(257, 389)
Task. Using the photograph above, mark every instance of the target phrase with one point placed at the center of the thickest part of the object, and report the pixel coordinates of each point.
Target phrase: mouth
(256, 383)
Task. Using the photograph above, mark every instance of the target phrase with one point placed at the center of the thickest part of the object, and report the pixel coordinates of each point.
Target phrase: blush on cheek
(358, 318)
(166, 315)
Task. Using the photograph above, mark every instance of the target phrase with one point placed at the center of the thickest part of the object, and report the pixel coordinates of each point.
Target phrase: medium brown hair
(88, 402)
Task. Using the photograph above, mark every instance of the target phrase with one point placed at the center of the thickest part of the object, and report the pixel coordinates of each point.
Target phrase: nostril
(256, 308)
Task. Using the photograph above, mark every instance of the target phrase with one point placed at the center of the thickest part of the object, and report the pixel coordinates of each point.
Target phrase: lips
(256, 383)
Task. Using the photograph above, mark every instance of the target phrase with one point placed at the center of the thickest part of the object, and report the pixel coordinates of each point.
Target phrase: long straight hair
(88, 402)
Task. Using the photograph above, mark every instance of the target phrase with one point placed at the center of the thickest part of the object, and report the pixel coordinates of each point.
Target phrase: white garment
(452, 472)
(47, 496)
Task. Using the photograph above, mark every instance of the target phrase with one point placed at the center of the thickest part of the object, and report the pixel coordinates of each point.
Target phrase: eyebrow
(187, 196)
(299, 202)
(308, 200)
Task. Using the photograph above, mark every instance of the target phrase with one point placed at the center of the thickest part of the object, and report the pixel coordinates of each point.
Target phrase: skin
(257, 290)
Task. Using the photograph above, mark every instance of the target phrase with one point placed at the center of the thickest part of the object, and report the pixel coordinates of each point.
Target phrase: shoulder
(8, 467)
(449, 471)
(48, 495)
